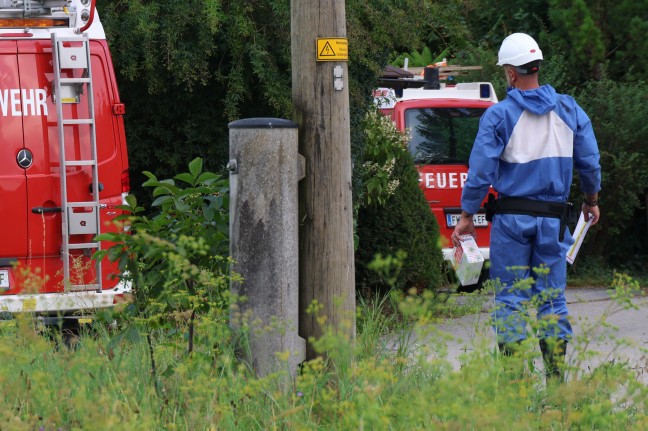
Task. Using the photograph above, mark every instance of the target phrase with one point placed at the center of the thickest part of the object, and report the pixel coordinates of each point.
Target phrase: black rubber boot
(514, 367)
(508, 349)
(553, 354)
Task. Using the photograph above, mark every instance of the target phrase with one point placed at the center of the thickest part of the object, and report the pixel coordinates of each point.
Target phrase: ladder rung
(80, 163)
(62, 39)
(83, 287)
(74, 80)
(78, 121)
(82, 204)
(82, 245)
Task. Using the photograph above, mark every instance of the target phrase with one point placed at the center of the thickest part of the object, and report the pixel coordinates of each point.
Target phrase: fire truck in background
(64, 165)
(442, 120)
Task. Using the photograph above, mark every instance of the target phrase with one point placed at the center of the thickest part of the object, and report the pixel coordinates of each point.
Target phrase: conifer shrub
(393, 216)
(618, 114)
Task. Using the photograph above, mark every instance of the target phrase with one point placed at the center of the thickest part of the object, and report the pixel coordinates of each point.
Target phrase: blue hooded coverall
(527, 146)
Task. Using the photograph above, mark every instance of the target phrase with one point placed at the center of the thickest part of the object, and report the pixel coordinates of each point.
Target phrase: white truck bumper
(53, 303)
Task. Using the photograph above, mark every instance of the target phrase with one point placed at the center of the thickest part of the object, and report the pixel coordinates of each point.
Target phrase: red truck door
(39, 125)
(13, 187)
(43, 177)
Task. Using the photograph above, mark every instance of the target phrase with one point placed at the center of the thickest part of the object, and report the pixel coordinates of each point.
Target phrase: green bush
(394, 217)
(618, 113)
(175, 260)
(386, 381)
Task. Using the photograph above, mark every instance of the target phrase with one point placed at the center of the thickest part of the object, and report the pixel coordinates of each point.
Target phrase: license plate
(4, 279)
(478, 219)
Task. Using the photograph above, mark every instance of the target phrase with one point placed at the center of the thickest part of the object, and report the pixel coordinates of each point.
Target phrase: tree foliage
(618, 113)
(186, 78)
(186, 69)
(490, 21)
(574, 26)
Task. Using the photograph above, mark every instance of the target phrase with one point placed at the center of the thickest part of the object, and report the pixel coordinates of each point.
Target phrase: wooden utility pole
(321, 100)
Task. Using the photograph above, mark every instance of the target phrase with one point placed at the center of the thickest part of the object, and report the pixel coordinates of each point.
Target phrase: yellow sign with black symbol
(333, 49)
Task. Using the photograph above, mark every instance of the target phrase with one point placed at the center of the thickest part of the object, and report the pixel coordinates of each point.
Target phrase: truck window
(442, 135)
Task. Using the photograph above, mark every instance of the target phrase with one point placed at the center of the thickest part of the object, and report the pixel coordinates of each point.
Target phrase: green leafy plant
(175, 260)
(419, 59)
(384, 144)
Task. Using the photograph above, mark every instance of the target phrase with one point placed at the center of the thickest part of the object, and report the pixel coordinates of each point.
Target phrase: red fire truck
(63, 163)
(442, 121)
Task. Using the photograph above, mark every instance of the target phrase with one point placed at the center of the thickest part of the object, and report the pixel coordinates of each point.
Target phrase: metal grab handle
(100, 186)
(43, 210)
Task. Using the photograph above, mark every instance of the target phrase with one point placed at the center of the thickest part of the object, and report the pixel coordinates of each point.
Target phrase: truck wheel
(70, 336)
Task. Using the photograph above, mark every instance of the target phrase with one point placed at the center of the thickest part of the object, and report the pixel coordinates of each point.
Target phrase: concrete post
(265, 168)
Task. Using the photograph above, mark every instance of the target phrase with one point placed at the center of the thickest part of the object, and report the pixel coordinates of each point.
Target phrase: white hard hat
(518, 49)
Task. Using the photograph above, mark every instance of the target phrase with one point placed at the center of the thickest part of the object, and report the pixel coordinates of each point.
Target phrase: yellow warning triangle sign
(327, 51)
(332, 49)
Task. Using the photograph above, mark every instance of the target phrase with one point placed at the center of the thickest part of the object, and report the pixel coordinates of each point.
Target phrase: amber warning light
(33, 22)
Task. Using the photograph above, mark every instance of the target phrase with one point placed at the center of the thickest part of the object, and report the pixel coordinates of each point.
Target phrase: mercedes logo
(24, 158)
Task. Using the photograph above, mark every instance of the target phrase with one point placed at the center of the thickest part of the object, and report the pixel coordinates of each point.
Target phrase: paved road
(588, 307)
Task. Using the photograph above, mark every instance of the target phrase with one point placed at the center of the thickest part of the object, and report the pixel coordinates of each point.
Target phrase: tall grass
(382, 381)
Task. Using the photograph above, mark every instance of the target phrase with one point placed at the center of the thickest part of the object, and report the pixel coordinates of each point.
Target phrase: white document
(579, 235)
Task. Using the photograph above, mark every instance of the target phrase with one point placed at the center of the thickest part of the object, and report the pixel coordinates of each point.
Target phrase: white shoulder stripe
(537, 137)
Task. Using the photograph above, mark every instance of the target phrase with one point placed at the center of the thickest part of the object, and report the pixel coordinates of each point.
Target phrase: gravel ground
(625, 338)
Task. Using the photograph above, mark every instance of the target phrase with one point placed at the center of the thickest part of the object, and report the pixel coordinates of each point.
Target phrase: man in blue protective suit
(527, 147)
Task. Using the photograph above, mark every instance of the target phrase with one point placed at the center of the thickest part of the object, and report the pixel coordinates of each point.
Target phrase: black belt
(511, 205)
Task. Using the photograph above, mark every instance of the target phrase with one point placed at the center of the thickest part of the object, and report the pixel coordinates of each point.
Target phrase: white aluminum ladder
(73, 53)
